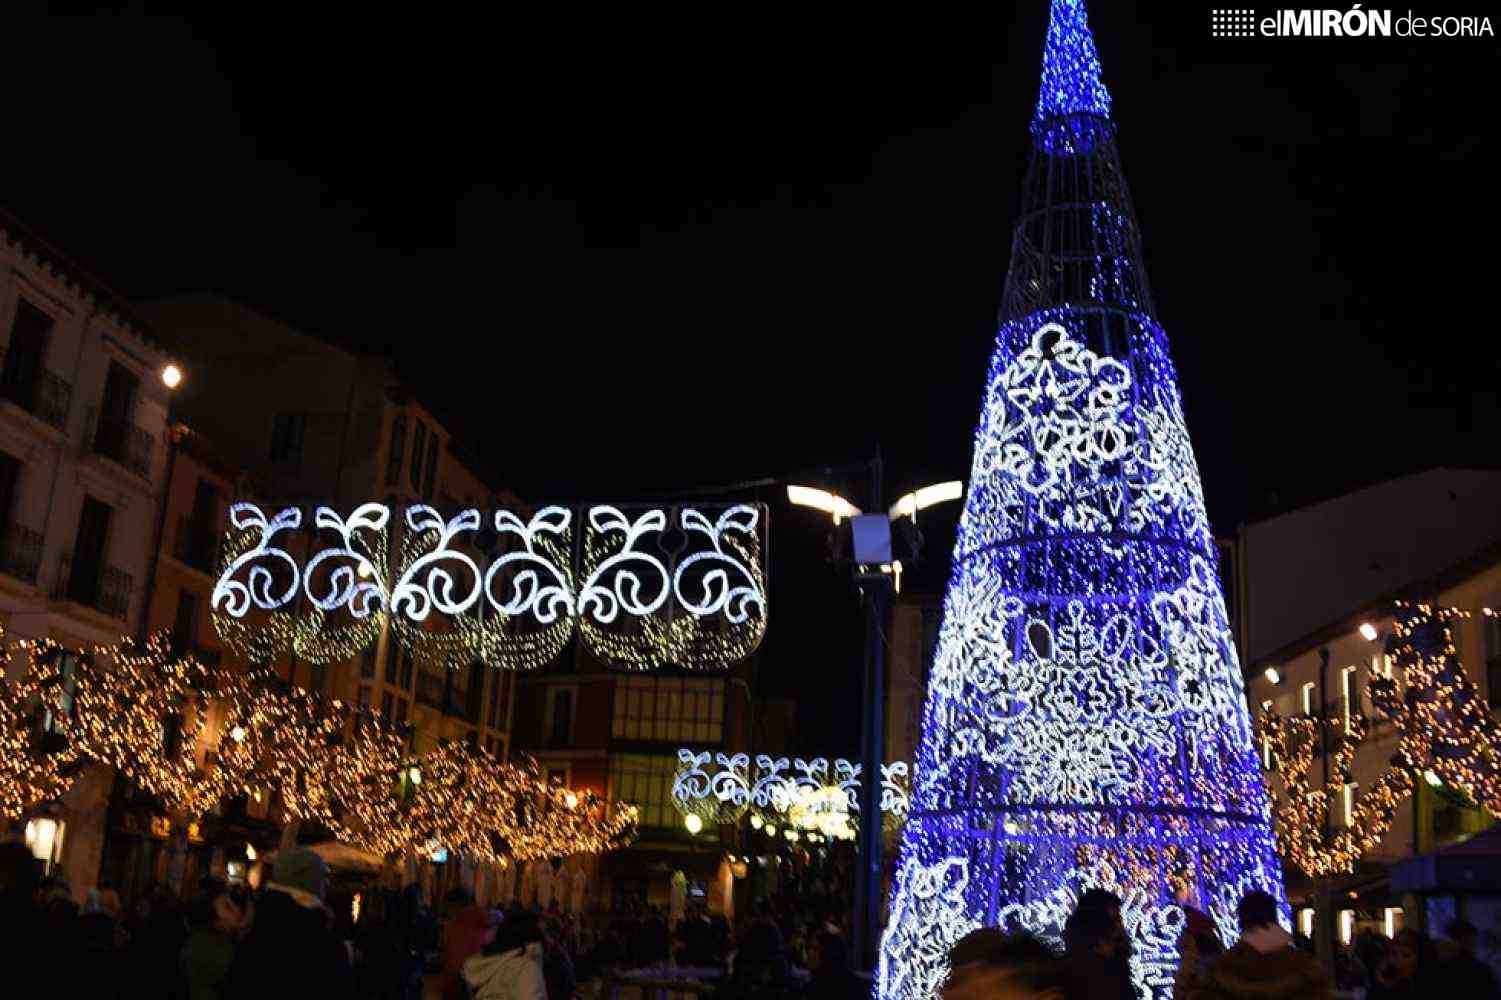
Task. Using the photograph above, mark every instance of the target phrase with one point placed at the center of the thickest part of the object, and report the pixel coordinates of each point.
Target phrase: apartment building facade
(307, 423)
(1326, 674)
(618, 735)
(83, 418)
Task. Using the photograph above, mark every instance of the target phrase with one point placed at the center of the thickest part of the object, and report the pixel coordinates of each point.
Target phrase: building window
(367, 663)
(1347, 801)
(386, 705)
(1346, 926)
(431, 477)
(1391, 919)
(398, 451)
(560, 717)
(645, 781)
(1308, 699)
(1493, 660)
(401, 710)
(497, 681)
(1305, 922)
(419, 455)
(67, 672)
(287, 432)
(364, 696)
(183, 622)
(668, 709)
(1349, 688)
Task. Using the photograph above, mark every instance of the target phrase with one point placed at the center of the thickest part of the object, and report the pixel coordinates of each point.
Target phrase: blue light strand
(1072, 82)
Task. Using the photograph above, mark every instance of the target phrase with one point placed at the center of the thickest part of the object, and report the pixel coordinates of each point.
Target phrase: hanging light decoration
(659, 585)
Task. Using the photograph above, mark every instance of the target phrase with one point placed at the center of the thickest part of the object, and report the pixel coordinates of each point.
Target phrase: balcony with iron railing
(20, 552)
(94, 584)
(123, 442)
(197, 543)
(24, 382)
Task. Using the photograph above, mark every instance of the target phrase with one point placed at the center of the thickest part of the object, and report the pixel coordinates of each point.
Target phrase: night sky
(630, 256)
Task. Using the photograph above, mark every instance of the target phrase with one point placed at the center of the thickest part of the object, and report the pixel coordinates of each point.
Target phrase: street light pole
(874, 591)
(876, 573)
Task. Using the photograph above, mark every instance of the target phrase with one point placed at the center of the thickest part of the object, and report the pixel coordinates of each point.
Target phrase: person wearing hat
(291, 950)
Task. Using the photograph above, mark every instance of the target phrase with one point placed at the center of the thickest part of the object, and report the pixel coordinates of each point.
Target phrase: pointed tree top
(1071, 79)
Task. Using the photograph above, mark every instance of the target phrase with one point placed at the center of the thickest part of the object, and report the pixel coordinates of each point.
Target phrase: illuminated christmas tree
(1085, 722)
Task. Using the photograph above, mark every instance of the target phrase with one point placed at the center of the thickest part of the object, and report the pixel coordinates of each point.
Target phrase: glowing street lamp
(693, 823)
(171, 376)
(829, 503)
(922, 499)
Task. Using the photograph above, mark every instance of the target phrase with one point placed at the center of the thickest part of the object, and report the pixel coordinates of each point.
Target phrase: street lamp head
(171, 376)
(1368, 631)
(693, 823)
(829, 503)
(909, 504)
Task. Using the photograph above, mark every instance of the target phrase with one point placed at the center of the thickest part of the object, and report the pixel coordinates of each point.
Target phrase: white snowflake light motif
(1085, 723)
(715, 786)
(650, 587)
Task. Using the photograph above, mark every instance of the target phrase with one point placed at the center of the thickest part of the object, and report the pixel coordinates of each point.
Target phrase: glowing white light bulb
(693, 823)
(1368, 631)
(171, 376)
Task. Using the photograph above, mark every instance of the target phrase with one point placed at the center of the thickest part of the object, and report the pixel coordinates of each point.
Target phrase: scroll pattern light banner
(643, 586)
(721, 788)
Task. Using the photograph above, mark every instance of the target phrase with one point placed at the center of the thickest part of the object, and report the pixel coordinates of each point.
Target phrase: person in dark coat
(832, 978)
(761, 968)
(291, 950)
(1096, 962)
(1408, 970)
(209, 951)
(1461, 974)
(989, 964)
(1263, 965)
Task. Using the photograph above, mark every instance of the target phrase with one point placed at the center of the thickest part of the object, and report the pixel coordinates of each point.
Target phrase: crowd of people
(1266, 962)
(284, 941)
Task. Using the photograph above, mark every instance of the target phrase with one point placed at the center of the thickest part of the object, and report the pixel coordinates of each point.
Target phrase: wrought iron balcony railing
(20, 552)
(95, 584)
(125, 443)
(35, 390)
(197, 543)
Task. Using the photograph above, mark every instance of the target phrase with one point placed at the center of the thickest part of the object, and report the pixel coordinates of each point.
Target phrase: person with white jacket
(510, 967)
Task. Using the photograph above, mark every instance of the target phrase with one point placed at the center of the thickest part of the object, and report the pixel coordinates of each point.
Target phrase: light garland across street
(643, 587)
(721, 788)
